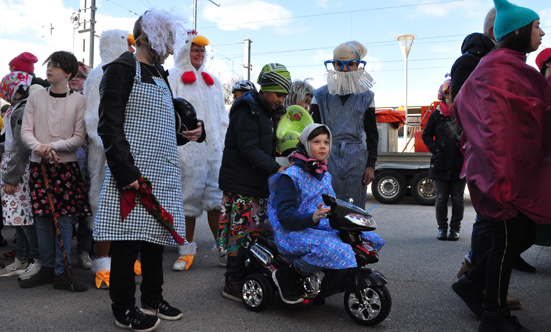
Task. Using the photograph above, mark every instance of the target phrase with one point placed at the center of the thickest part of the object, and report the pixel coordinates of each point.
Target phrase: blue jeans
(445, 189)
(27, 243)
(48, 244)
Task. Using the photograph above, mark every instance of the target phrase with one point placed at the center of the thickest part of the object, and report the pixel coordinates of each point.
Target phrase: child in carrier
(295, 211)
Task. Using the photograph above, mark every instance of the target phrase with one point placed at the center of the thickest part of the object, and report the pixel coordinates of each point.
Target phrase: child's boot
(31, 270)
(15, 268)
(287, 279)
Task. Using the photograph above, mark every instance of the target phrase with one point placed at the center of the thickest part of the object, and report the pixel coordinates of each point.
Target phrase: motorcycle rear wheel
(377, 305)
(257, 292)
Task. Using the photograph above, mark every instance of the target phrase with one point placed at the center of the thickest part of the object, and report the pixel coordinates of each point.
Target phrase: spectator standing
(190, 80)
(247, 162)
(507, 155)
(347, 107)
(136, 126)
(445, 165)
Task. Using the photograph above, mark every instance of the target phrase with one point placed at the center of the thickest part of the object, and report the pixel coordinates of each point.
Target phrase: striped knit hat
(274, 77)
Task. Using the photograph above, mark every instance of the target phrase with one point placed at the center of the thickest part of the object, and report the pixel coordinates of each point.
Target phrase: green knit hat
(274, 77)
(510, 17)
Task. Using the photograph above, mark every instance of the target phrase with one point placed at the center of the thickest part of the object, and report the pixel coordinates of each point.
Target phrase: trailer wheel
(423, 189)
(389, 187)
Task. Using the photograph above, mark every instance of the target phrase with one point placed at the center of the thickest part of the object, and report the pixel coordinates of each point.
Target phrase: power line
(133, 12)
(380, 71)
(336, 13)
(386, 61)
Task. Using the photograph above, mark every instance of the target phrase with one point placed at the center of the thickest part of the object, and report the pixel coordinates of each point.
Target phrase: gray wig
(298, 92)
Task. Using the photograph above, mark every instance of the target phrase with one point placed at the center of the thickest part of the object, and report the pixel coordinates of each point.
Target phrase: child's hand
(319, 212)
(46, 151)
(9, 188)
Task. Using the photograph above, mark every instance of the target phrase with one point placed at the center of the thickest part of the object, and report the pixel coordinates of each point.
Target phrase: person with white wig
(140, 206)
(347, 106)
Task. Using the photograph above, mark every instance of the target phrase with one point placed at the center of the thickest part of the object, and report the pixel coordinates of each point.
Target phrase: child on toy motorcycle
(295, 210)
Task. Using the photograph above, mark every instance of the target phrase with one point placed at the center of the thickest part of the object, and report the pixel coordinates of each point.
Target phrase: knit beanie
(24, 62)
(510, 17)
(274, 77)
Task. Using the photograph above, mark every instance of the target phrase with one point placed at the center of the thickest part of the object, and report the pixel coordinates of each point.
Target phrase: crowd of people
(94, 154)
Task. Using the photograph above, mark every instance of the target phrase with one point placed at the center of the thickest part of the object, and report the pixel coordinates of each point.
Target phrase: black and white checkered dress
(149, 128)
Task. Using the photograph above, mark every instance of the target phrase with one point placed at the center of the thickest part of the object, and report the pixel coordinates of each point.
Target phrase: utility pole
(87, 31)
(247, 59)
(195, 13)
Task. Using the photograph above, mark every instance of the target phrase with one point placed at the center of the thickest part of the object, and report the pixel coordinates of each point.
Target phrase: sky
(299, 34)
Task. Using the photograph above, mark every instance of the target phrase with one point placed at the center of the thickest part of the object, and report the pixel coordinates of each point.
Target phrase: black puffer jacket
(474, 48)
(249, 150)
(447, 160)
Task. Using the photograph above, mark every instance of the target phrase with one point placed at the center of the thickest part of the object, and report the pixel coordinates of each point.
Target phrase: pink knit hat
(24, 62)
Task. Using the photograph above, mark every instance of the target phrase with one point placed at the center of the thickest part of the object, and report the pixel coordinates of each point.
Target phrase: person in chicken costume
(112, 44)
(200, 163)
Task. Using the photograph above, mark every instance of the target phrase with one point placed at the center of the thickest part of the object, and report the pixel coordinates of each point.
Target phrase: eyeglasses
(79, 77)
(339, 64)
(198, 51)
(53, 64)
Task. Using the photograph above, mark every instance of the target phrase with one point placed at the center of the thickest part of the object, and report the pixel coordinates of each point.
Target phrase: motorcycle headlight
(360, 220)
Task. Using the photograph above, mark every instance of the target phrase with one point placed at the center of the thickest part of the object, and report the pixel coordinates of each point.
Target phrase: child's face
(319, 146)
(306, 103)
(55, 74)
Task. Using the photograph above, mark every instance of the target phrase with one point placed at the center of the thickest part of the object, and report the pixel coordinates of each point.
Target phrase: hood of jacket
(182, 59)
(478, 44)
(112, 44)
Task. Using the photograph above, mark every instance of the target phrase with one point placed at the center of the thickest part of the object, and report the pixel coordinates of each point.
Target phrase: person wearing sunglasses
(190, 80)
(346, 105)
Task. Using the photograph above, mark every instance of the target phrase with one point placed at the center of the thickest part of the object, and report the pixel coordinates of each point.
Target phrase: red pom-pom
(207, 78)
(188, 77)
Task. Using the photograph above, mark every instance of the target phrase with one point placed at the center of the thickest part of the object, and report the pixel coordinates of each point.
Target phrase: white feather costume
(112, 44)
(200, 162)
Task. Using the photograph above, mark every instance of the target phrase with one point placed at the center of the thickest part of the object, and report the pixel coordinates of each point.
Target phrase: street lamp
(405, 44)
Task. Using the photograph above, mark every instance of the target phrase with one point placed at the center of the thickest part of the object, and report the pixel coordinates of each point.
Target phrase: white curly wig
(161, 28)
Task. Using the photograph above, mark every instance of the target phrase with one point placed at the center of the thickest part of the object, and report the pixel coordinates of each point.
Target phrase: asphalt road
(420, 270)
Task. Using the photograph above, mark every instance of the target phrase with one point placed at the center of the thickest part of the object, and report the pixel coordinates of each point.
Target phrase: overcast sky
(299, 34)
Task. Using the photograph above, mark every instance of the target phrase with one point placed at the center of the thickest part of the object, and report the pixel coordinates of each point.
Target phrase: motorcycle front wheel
(257, 292)
(376, 307)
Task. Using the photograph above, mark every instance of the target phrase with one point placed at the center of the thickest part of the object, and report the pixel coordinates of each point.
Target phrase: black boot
(287, 280)
(232, 288)
(442, 234)
(453, 236)
(44, 276)
(469, 294)
(521, 265)
(61, 281)
(500, 321)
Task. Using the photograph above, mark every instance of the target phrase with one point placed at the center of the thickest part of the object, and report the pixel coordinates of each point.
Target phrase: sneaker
(500, 321)
(14, 269)
(44, 276)
(469, 294)
(134, 319)
(162, 310)
(232, 289)
(84, 260)
(287, 280)
(31, 270)
(61, 281)
(9, 255)
(223, 260)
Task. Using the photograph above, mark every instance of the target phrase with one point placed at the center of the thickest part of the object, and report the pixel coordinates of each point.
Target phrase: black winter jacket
(447, 159)
(474, 48)
(249, 148)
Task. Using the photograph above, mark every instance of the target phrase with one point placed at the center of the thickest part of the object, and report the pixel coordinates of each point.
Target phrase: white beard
(345, 83)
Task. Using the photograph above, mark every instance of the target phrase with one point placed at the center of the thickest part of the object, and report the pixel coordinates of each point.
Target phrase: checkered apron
(149, 128)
